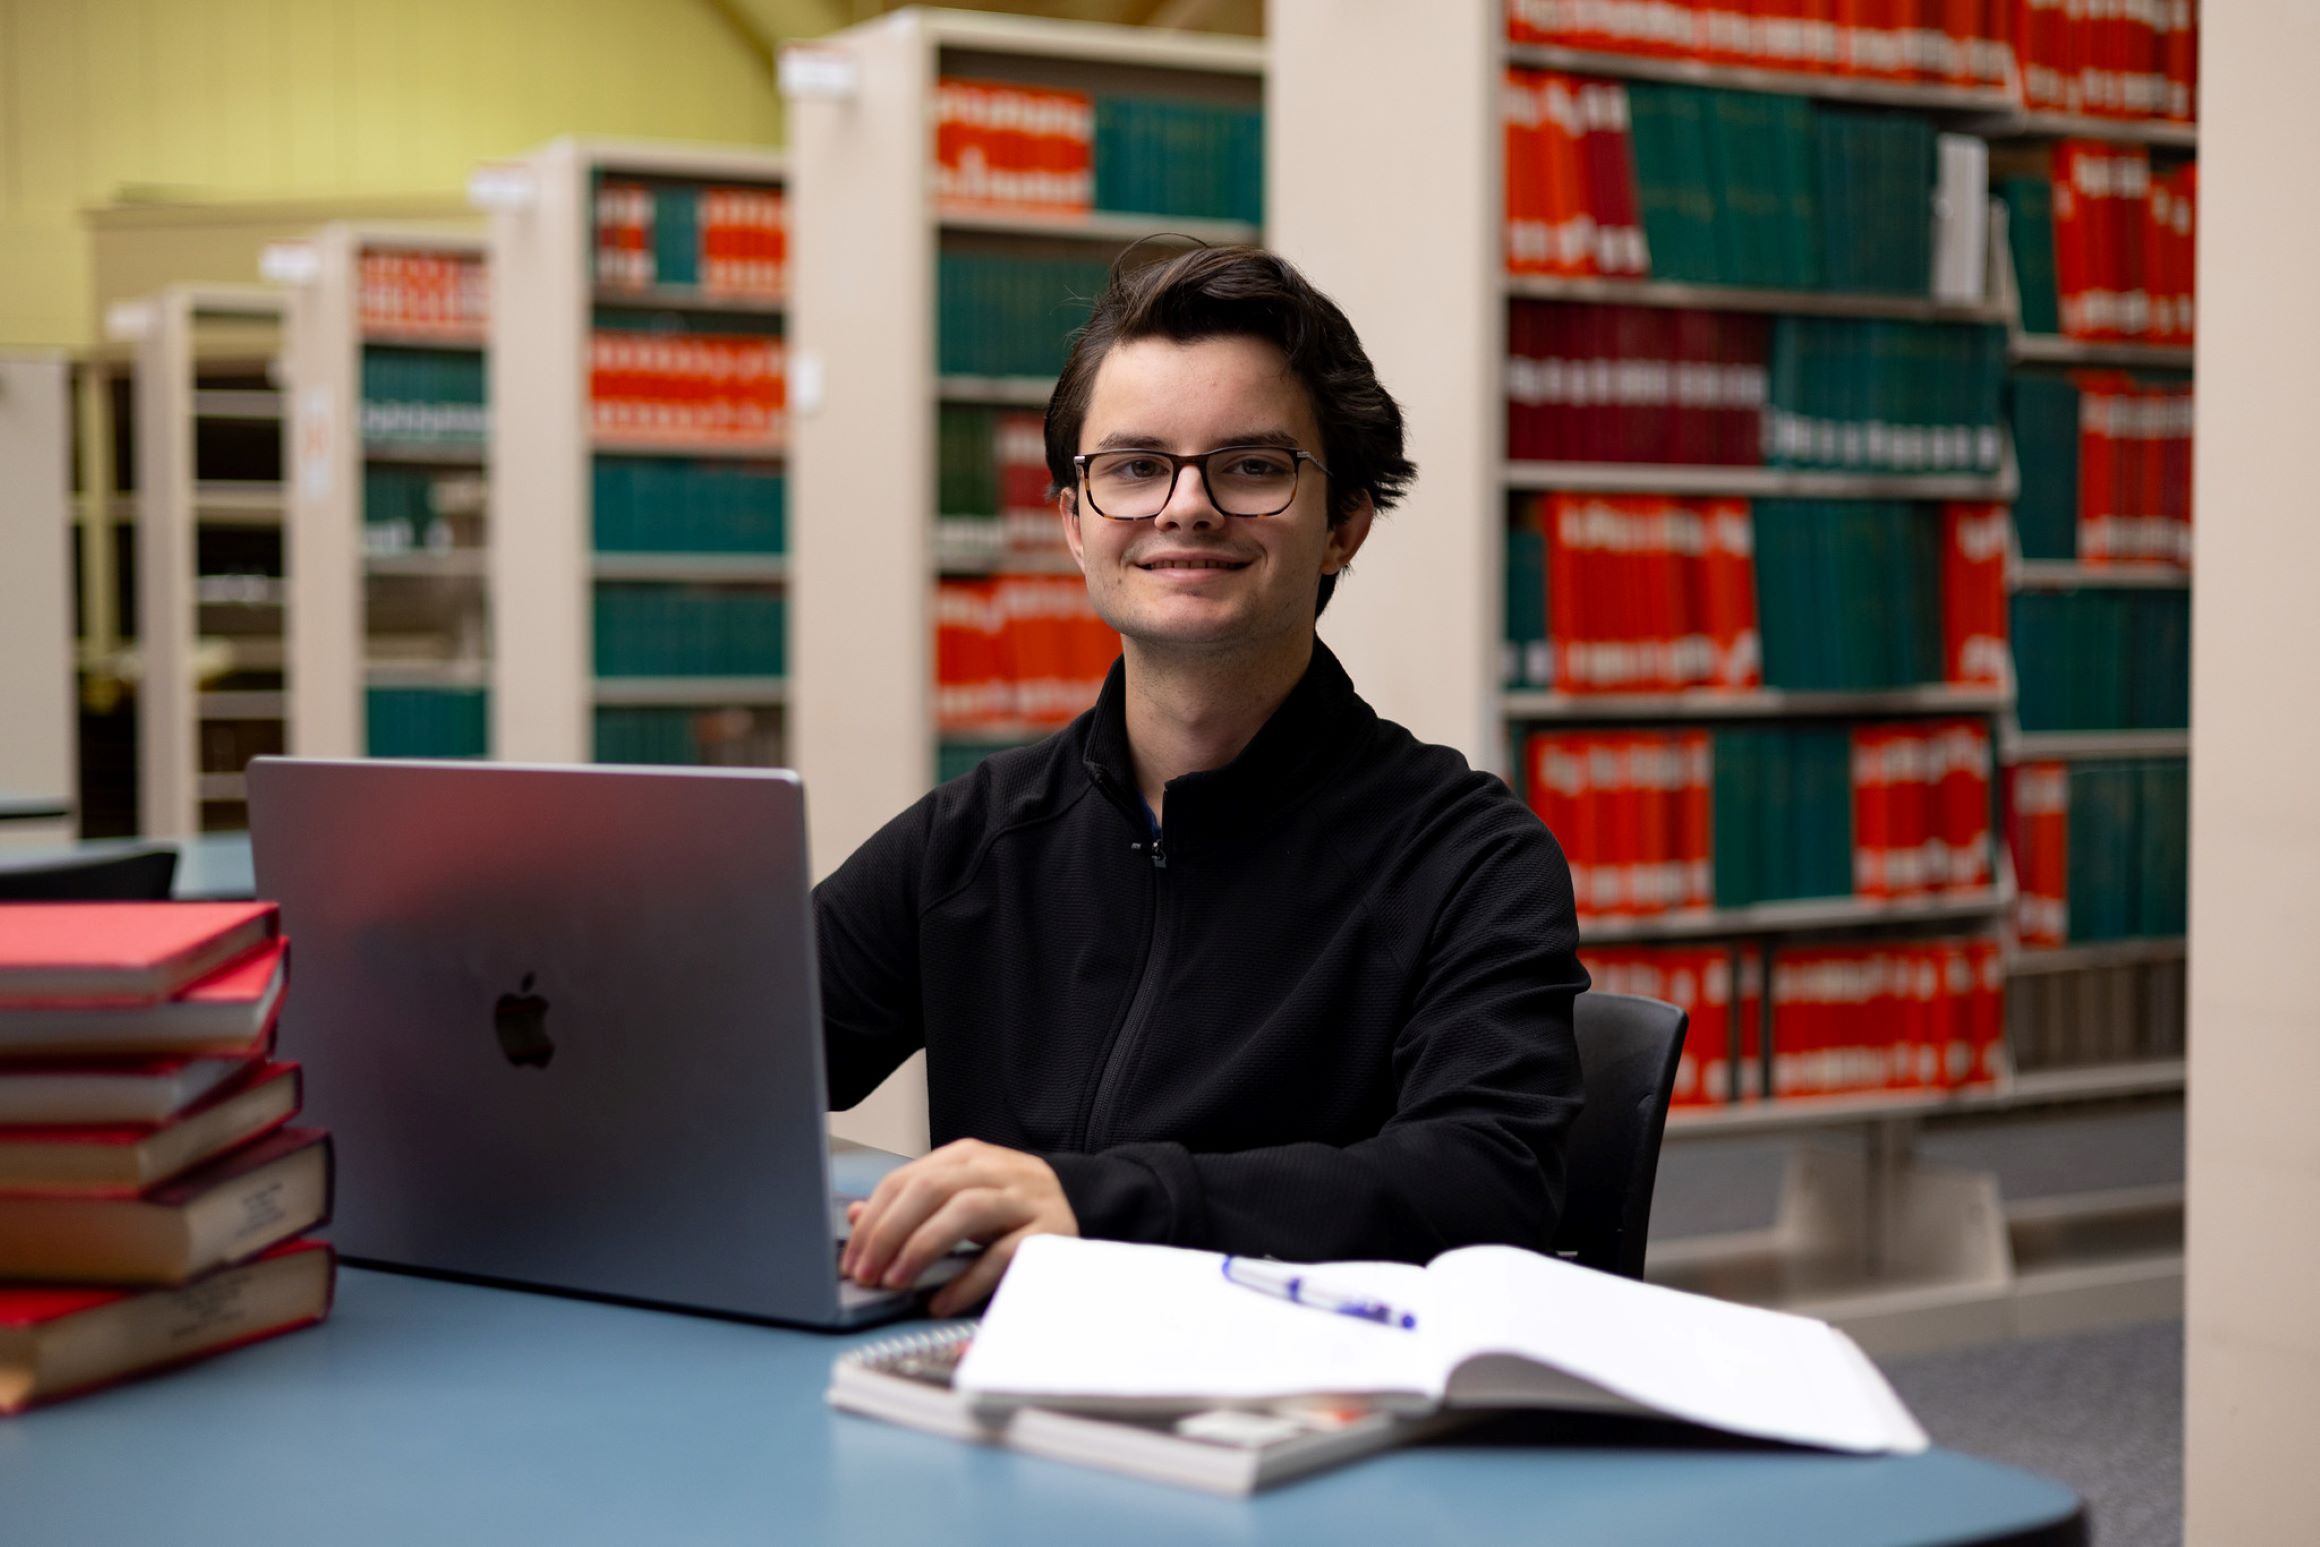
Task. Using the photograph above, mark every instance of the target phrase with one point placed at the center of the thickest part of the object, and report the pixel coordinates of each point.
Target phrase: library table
(446, 1413)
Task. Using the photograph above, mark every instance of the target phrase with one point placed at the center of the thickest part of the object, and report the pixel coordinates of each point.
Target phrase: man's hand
(967, 1191)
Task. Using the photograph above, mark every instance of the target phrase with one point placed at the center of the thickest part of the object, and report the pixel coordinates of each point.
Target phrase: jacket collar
(1307, 733)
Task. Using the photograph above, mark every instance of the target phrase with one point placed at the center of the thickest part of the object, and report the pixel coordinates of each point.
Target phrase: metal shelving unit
(2041, 746)
(2065, 575)
(1734, 298)
(1760, 704)
(2051, 349)
(1754, 482)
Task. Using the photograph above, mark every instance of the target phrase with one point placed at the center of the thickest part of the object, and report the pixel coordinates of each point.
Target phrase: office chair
(132, 875)
(1628, 1048)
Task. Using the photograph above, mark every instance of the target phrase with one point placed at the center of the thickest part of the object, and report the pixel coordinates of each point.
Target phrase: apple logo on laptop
(521, 1019)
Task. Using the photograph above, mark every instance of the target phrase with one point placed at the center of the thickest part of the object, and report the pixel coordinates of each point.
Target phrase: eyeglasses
(1239, 480)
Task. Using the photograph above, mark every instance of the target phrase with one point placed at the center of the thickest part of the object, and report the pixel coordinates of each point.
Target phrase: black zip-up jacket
(1325, 1014)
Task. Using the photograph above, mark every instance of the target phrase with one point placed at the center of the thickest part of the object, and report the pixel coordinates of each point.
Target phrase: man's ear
(1347, 536)
(1067, 512)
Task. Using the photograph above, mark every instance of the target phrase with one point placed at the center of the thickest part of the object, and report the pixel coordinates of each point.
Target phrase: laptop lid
(562, 1022)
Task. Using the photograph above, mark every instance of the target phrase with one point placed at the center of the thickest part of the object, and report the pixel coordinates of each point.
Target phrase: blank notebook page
(1106, 1321)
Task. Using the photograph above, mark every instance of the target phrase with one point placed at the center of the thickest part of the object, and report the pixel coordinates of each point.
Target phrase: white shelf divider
(37, 751)
(329, 607)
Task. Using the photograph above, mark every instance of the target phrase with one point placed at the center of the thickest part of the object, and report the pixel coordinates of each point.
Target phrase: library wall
(105, 101)
(2253, 1346)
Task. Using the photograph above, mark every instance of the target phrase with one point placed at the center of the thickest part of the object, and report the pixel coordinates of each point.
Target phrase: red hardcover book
(1574, 184)
(2182, 60)
(2038, 813)
(1974, 598)
(229, 1012)
(1872, 813)
(121, 953)
(2073, 229)
(121, 1090)
(119, 1159)
(1655, 766)
(1986, 1013)
(1620, 247)
(232, 1208)
(1728, 587)
(63, 1342)
(1962, 799)
(1562, 792)
(1524, 151)
(1695, 819)
(1911, 826)
(1621, 796)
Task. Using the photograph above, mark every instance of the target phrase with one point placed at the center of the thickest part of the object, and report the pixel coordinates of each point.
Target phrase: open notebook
(1102, 1326)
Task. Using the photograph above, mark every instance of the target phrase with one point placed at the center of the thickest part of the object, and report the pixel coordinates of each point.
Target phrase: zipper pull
(1159, 856)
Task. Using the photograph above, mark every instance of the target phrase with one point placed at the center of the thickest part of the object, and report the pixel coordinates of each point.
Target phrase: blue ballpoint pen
(1297, 1289)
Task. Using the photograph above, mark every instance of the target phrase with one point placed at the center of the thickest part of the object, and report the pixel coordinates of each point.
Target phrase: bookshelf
(880, 248)
(1420, 624)
(879, 368)
(212, 663)
(387, 523)
(36, 630)
(637, 577)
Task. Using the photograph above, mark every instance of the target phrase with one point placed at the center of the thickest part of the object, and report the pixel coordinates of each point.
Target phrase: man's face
(1192, 576)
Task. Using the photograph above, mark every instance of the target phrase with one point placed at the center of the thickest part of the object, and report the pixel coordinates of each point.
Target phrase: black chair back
(117, 875)
(1628, 1050)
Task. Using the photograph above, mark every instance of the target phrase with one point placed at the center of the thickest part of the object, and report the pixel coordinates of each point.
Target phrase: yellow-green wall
(106, 100)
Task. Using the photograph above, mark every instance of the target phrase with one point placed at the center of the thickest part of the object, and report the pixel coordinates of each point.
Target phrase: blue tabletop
(435, 1413)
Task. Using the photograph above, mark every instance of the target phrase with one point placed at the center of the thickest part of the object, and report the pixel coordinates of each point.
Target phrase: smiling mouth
(1195, 564)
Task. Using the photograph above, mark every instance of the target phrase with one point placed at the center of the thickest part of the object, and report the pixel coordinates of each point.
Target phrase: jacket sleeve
(866, 926)
(1486, 1073)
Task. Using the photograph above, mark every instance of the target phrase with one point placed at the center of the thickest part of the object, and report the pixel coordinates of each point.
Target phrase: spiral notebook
(906, 1380)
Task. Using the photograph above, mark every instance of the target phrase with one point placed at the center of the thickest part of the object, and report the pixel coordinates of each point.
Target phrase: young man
(1229, 962)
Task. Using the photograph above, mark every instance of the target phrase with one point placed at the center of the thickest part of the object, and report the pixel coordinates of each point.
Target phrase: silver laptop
(564, 1028)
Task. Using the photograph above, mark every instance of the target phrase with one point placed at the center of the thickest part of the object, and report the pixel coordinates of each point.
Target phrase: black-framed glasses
(1135, 485)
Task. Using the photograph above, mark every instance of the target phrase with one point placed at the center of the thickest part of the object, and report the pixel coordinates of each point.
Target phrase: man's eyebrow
(1121, 440)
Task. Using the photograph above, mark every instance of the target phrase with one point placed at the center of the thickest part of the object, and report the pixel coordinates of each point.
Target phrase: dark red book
(65, 1341)
(129, 1158)
(230, 1011)
(122, 953)
(255, 1197)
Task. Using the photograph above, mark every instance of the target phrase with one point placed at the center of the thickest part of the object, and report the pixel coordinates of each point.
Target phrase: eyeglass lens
(1242, 481)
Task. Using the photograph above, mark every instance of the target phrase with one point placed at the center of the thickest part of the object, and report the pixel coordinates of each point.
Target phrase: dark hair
(1245, 292)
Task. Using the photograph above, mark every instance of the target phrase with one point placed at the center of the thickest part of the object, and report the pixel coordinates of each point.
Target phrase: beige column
(2253, 1300)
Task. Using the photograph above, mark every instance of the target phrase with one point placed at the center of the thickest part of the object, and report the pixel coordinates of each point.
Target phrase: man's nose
(1188, 502)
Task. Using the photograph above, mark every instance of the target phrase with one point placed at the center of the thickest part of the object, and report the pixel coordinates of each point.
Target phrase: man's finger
(974, 1214)
(973, 1287)
(881, 1232)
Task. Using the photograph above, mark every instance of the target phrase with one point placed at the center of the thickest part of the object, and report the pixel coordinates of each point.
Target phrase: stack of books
(1017, 651)
(1659, 821)
(991, 485)
(2103, 248)
(152, 1195)
(1002, 148)
(430, 397)
(687, 389)
(728, 241)
(1960, 43)
(439, 294)
(2106, 467)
